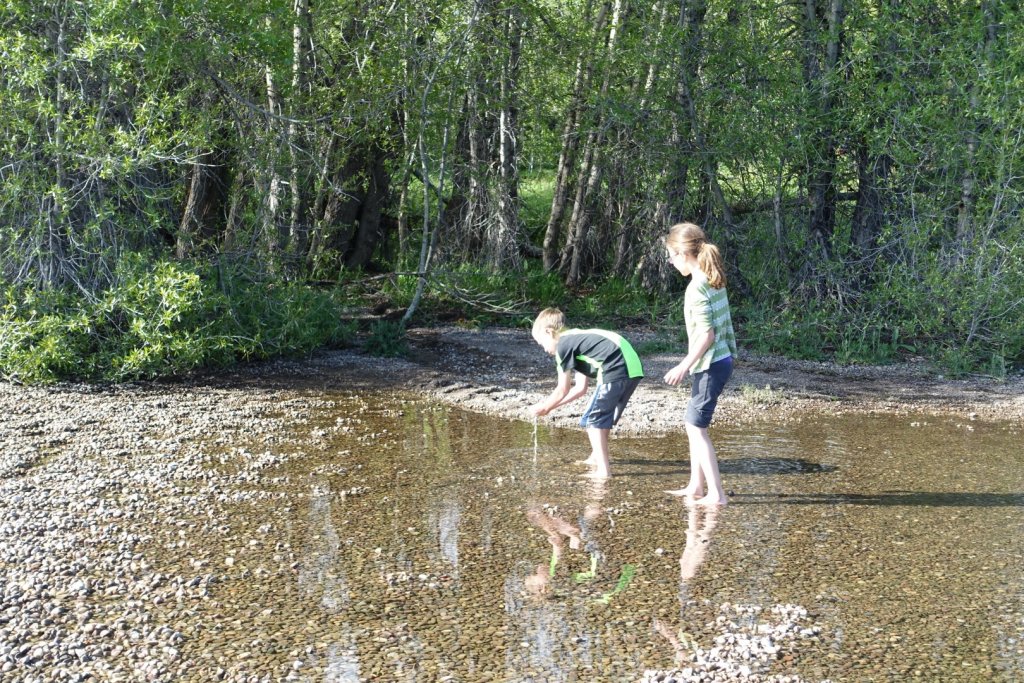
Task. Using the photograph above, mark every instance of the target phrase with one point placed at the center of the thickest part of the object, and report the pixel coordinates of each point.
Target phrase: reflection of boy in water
(555, 528)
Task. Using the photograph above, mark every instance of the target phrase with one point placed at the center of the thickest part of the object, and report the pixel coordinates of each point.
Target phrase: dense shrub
(160, 319)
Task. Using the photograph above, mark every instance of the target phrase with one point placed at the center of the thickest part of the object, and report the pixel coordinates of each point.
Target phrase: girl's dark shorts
(707, 387)
(608, 402)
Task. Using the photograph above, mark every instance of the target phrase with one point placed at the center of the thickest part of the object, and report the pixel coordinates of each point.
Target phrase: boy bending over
(597, 354)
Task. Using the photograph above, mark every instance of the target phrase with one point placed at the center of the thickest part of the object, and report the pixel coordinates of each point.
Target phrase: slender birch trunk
(819, 77)
(54, 256)
(505, 247)
(276, 238)
(299, 223)
(570, 145)
(968, 178)
(579, 224)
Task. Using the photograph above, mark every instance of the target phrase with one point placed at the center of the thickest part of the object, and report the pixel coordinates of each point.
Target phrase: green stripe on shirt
(706, 308)
(633, 365)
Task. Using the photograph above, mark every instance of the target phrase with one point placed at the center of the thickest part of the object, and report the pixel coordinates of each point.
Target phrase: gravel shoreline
(501, 371)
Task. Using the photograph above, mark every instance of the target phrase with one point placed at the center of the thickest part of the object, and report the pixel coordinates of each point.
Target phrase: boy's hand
(676, 374)
(538, 410)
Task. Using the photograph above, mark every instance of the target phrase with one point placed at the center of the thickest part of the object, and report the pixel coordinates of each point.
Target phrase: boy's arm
(556, 397)
(578, 389)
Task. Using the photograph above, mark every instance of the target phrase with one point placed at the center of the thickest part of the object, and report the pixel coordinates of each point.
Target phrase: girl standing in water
(712, 347)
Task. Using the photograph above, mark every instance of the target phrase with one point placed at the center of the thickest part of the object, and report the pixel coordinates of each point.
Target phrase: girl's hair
(551, 320)
(687, 238)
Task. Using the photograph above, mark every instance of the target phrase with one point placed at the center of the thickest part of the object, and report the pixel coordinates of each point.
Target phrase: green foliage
(105, 119)
(387, 338)
(613, 299)
(788, 331)
(161, 319)
(535, 192)
(544, 289)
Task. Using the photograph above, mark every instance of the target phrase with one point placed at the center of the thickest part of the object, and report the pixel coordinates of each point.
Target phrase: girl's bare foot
(597, 474)
(711, 499)
(688, 492)
(592, 460)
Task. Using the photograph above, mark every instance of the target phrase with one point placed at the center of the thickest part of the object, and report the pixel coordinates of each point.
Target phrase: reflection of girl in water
(698, 538)
(700, 522)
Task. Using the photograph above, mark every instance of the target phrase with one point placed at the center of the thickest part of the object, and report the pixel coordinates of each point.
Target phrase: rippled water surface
(414, 542)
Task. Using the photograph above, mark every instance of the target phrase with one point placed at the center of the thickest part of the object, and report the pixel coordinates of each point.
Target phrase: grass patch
(652, 347)
(761, 397)
(387, 339)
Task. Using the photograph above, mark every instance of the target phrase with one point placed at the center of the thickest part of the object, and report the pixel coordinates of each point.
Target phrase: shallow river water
(416, 542)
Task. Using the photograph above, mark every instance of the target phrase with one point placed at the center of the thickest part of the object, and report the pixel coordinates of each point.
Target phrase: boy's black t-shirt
(599, 354)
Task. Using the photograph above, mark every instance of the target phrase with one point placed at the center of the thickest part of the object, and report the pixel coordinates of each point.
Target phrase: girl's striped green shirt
(705, 307)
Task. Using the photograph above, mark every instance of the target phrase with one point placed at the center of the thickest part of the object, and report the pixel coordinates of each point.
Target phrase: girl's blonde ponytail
(709, 259)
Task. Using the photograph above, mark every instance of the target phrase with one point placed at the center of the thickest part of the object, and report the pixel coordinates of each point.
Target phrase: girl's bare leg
(695, 488)
(705, 454)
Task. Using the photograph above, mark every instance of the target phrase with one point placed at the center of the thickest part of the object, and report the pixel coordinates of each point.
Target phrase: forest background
(190, 183)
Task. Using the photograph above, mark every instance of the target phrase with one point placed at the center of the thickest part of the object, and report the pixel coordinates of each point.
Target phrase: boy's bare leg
(705, 454)
(599, 453)
(695, 488)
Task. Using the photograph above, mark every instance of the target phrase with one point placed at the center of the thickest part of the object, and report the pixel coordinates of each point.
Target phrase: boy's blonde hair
(687, 238)
(550, 320)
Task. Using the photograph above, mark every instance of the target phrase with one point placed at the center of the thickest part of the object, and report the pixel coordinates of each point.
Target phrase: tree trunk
(634, 224)
(869, 213)
(344, 204)
(968, 178)
(299, 223)
(819, 75)
(691, 18)
(370, 232)
(590, 171)
(203, 214)
(570, 144)
(236, 207)
(467, 211)
(275, 236)
(53, 257)
(505, 252)
(324, 190)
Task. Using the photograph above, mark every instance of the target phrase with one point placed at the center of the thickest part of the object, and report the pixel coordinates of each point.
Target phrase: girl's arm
(700, 344)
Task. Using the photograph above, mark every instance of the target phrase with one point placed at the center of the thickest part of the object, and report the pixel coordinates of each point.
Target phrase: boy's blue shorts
(608, 402)
(707, 387)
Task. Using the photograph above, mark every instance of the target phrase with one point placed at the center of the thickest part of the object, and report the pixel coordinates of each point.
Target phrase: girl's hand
(676, 374)
(537, 410)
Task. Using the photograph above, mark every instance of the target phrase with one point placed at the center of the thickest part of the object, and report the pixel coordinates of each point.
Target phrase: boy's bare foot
(688, 492)
(597, 474)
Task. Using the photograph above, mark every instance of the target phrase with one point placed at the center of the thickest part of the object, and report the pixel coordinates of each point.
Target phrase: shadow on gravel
(907, 498)
(742, 465)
